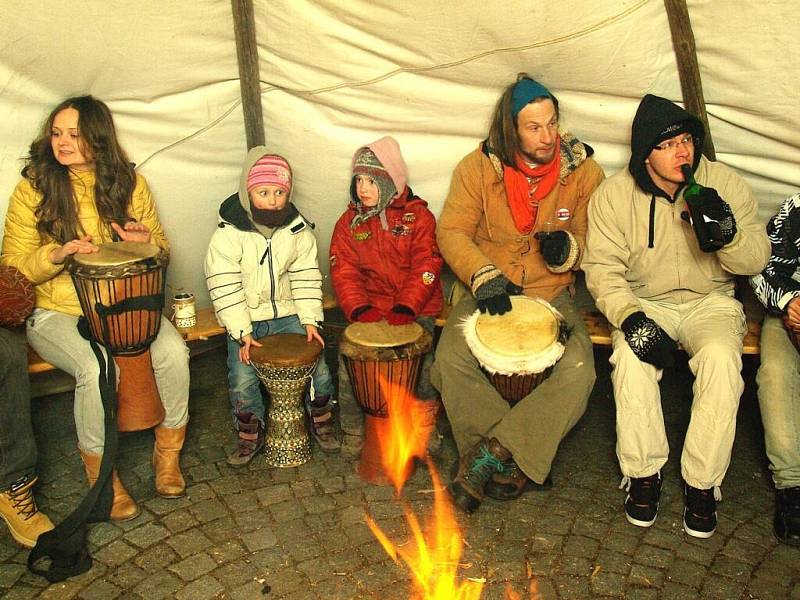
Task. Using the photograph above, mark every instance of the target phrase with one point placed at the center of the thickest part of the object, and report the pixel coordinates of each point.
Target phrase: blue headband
(524, 92)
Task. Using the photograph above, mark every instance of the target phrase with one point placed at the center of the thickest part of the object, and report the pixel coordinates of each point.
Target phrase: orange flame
(435, 555)
(433, 562)
(404, 435)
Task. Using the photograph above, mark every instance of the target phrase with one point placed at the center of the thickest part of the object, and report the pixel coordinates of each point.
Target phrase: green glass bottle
(707, 231)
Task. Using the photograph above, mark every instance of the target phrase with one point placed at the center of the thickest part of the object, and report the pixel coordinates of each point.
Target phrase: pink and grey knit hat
(270, 169)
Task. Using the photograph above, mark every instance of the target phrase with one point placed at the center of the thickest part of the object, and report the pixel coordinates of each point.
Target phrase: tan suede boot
(124, 508)
(166, 462)
(18, 510)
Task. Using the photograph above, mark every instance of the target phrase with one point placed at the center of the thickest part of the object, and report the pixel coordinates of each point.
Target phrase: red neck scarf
(526, 186)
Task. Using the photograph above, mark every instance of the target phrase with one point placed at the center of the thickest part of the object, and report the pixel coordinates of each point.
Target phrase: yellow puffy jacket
(24, 248)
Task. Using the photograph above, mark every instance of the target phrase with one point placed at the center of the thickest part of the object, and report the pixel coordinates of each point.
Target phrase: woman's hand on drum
(82, 245)
(132, 232)
(793, 313)
(244, 348)
(312, 333)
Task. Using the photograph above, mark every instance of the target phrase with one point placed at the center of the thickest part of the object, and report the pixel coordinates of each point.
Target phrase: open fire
(434, 556)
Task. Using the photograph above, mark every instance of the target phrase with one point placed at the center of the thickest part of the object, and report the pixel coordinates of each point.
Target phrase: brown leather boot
(166, 462)
(123, 508)
(476, 467)
(18, 510)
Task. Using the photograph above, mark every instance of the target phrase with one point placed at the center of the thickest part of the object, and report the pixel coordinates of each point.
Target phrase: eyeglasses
(672, 145)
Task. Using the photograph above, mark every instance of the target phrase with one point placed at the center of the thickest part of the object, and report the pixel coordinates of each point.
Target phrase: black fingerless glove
(648, 341)
(554, 246)
(493, 296)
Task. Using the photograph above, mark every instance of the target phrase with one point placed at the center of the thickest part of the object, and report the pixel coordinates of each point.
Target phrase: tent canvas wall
(338, 74)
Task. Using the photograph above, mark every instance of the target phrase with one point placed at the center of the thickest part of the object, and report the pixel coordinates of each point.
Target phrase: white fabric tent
(338, 74)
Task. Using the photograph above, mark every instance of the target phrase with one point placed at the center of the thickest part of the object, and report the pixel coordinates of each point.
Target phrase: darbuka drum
(284, 363)
(518, 349)
(121, 291)
(383, 361)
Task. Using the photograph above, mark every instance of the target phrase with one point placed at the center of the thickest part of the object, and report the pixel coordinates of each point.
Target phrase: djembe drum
(284, 363)
(121, 291)
(383, 361)
(517, 350)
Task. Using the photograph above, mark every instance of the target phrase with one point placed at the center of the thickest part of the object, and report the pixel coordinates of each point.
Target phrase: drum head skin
(520, 342)
(115, 254)
(285, 350)
(529, 328)
(382, 335)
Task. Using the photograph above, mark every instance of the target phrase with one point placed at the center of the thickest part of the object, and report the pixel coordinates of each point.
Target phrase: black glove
(715, 208)
(648, 341)
(717, 220)
(494, 295)
(554, 246)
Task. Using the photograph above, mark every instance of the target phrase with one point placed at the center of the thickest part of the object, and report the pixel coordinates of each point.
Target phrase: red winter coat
(382, 268)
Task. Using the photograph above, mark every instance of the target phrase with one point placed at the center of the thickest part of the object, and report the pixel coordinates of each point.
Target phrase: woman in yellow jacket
(78, 190)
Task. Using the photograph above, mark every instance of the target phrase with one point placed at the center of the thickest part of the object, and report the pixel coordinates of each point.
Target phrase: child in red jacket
(385, 264)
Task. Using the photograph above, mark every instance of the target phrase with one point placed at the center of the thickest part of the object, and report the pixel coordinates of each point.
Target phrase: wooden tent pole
(244, 27)
(689, 71)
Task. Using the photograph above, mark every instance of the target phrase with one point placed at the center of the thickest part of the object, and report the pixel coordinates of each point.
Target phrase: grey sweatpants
(534, 428)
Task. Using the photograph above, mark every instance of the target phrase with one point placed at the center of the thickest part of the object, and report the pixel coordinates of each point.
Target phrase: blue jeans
(243, 382)
(17, 446)
(778, 381)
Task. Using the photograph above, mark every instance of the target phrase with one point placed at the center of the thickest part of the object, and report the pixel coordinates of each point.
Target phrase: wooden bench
(207, 329)
(199, 338)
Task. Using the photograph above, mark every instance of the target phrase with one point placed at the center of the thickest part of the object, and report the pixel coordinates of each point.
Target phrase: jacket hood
(655, 121)
(253, 156)
(232, 212)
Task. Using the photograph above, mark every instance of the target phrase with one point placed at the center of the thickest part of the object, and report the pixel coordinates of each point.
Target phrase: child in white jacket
(264, 278)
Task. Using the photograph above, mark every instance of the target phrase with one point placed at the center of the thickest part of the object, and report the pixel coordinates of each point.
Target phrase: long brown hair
(115, 179)
(503, 139)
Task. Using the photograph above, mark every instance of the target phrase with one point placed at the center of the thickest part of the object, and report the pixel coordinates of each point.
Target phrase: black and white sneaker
(700, 512)
(787, 516)
(641, 504)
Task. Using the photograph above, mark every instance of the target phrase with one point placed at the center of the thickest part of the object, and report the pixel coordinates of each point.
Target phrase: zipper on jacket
(268, 256)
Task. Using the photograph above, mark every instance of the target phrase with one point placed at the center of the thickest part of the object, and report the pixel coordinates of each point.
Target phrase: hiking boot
(787, 516)
(512, 483)
(700, 512)
(251, 439)
(352, 445)
(321, 425)
(475, 468)
(641, 504)
(18, 510)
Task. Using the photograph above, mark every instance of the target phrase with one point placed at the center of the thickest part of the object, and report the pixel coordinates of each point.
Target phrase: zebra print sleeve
(779, 282)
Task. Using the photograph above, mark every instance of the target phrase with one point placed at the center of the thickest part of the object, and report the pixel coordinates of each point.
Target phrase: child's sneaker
(251, 439)
(321, 426)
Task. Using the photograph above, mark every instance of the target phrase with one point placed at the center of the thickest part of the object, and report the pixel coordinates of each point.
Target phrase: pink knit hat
(270, 169)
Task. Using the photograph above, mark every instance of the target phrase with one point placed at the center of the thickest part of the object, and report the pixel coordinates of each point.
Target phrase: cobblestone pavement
(300, 534)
